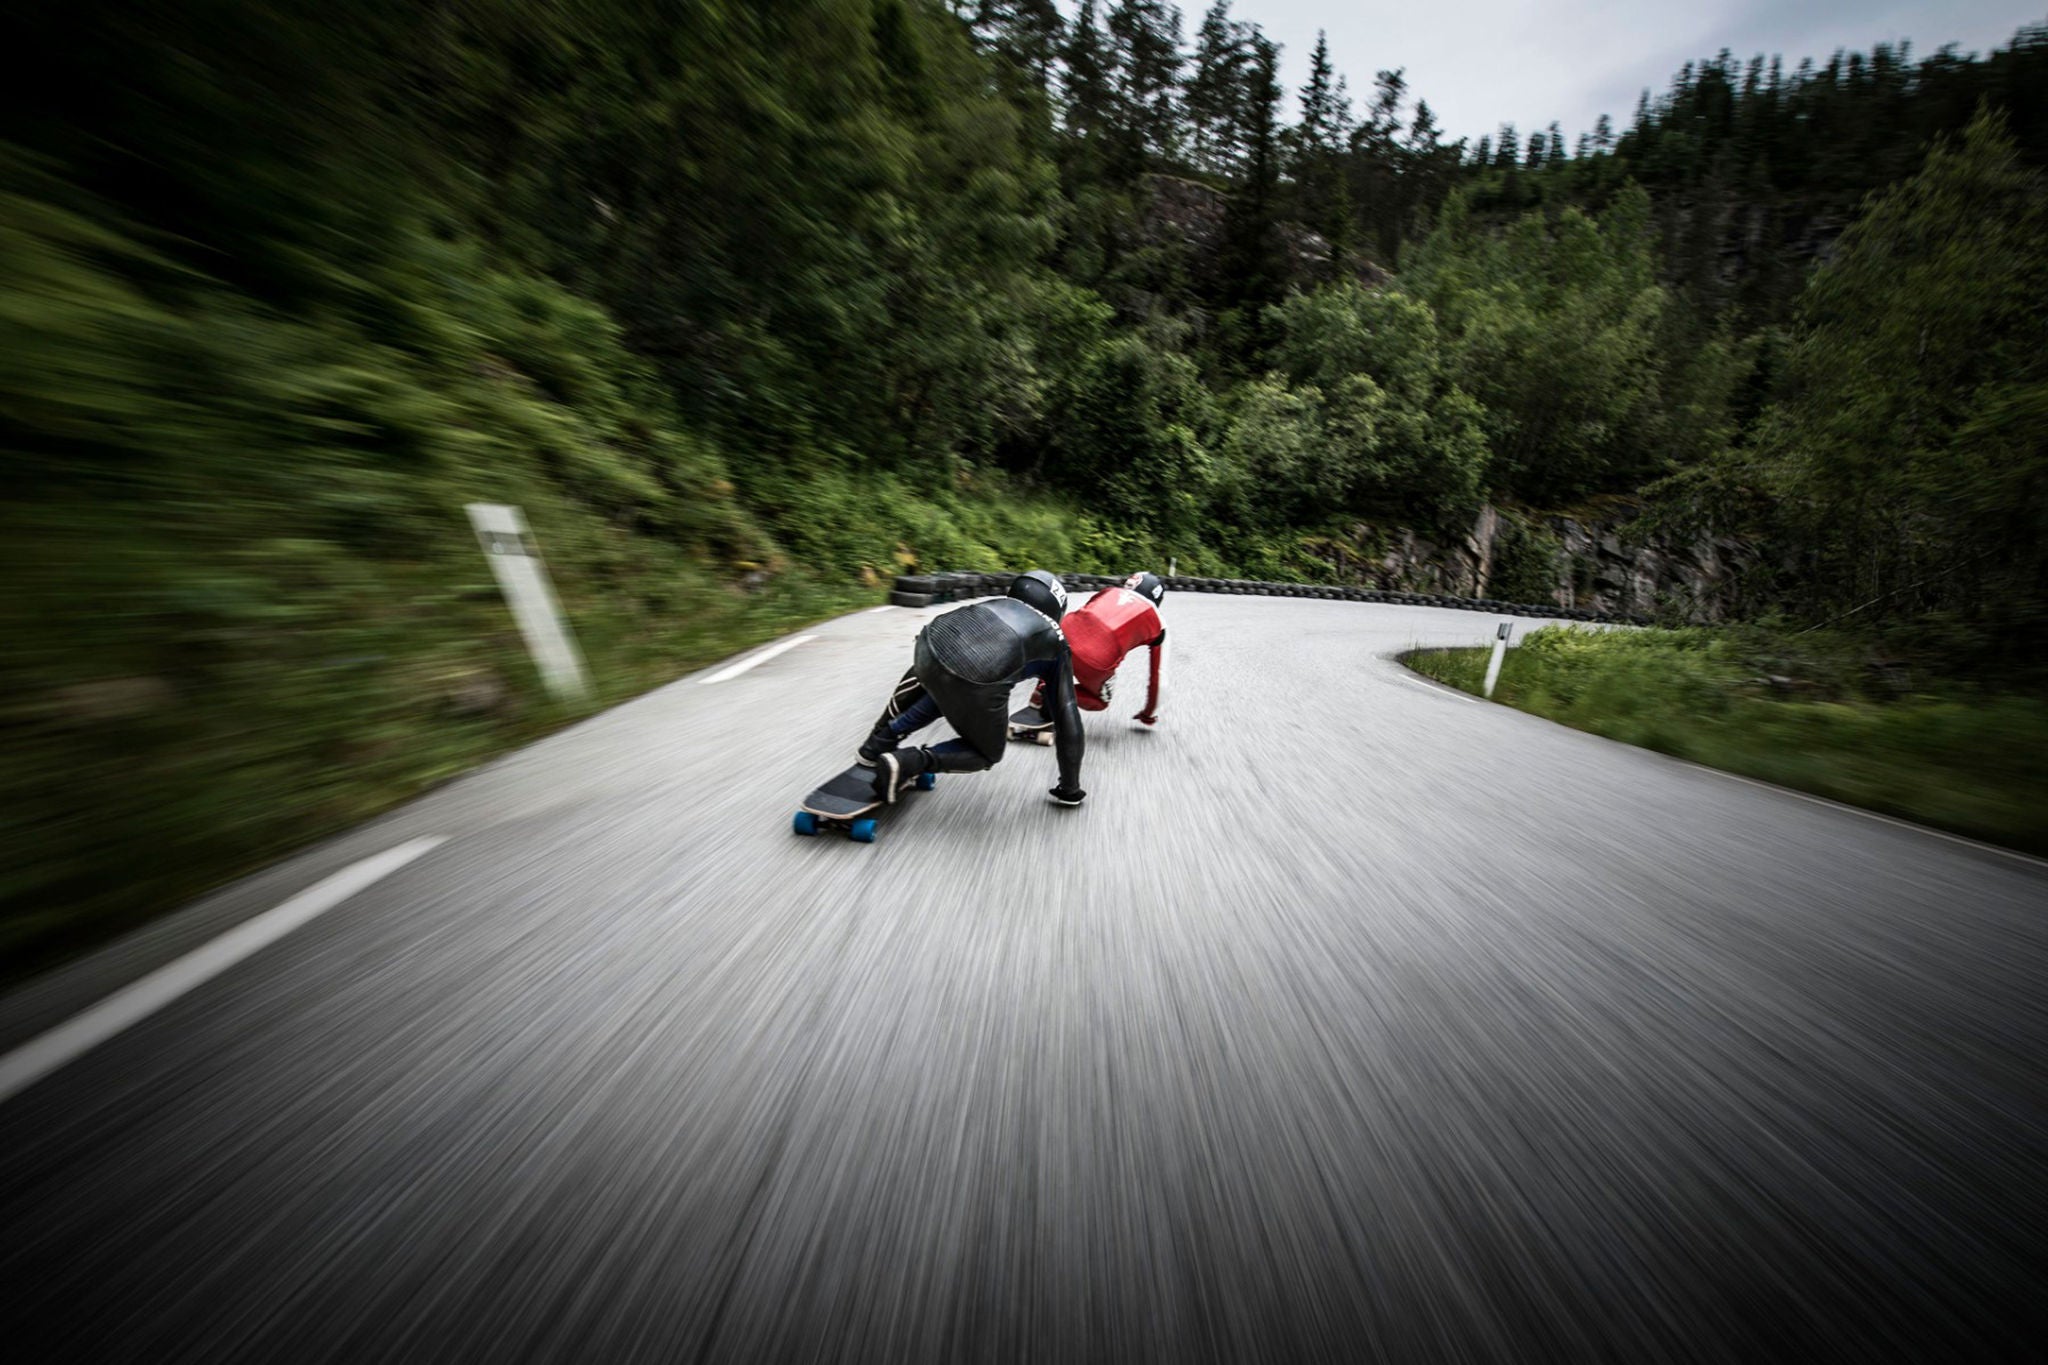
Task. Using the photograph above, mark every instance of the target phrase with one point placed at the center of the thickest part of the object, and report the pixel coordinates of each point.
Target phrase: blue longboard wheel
(926, 781)
(862, 831)
(805, 822)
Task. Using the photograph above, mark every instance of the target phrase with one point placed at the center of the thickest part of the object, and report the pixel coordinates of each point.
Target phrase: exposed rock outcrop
(1179, 210)
(1596, 561)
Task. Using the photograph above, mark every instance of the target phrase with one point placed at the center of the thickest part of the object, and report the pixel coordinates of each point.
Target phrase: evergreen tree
(1376, 165)
(1382, 127)
(1025, 33)
(1214, 97)
(1252, 267)
(1428, 168)
(1536, 154)
(1325, 112)
(1423, 135)
(1022, 39)
(1144, 74)
(1555, 154)
(1603, 134)
(1085, 81)
(1319, 139)
(1505, 147)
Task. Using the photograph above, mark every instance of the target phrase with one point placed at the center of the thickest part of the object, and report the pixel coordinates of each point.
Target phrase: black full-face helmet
(1147, 586)
(1040, 591)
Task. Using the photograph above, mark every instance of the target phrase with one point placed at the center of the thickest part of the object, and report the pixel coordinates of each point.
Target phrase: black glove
(1067, 796)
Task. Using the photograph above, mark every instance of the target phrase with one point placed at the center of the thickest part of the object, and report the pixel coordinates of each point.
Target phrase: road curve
(1351, 1018)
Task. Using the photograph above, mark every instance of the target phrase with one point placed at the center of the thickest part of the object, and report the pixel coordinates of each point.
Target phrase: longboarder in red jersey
(1100, 634)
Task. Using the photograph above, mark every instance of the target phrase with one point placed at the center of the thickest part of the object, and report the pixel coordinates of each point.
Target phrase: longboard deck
(850, 801)
(1031, 723)
(854, 792)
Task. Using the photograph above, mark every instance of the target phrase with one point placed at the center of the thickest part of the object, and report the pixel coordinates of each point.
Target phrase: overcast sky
(1481, 63)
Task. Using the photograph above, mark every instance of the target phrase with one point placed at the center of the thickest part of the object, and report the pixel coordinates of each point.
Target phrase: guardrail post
(515, 562)
(1500, 649)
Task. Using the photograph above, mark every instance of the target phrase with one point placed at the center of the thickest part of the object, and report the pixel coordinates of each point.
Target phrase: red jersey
(1100, 633)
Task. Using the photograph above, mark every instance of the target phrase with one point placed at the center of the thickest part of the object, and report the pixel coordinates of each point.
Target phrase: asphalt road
(1351, 1018)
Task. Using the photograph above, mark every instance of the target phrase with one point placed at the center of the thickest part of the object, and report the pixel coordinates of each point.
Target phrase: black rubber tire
(910, 599)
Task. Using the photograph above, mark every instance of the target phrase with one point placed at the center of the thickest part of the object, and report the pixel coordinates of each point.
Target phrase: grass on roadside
(126, 796)
(1815, 719)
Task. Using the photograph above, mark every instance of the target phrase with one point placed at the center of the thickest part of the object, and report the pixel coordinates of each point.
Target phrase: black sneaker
(896, 769)
(877, 744)
(888, 774)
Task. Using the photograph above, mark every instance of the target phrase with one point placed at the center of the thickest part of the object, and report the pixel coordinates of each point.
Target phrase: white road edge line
(1846, 809)
(753, 660)
(1441, 689)
(886, 606)
(47, 1052)
(1408, 675)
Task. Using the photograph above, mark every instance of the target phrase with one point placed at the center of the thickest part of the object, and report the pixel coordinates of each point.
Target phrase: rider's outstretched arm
(1151, 711)
(1068, 739)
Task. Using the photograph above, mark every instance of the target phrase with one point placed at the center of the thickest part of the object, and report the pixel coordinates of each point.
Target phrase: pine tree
(1253, 270)
(1085, 81)
(1603, 134)
(1428, 166)
(1025, 33)
(1377, 164)
(1505, 146)
(1022, 39)
(1556, 155)
(1423, 142)
(1144, 74)
(1482, 155)
(1213, 97)
(1325, 112)
(1534, 159)
(1319, 140)
(1383, 120)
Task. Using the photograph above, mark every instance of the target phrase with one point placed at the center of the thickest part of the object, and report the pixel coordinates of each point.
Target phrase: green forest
(753, 304)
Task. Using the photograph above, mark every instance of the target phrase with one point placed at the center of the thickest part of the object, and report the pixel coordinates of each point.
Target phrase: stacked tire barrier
(926, 590)
(931, 589)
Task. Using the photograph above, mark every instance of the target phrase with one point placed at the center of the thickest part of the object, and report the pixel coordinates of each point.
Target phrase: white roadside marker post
(1500, 649)
(1172, 567)
(516, 563)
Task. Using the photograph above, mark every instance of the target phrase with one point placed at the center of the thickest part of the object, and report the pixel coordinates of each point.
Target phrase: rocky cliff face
(1594, 561)
(1608, 569)
(1179, 210)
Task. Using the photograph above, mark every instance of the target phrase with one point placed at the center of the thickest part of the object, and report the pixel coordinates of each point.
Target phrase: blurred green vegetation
(246, 607)
(1816, 712)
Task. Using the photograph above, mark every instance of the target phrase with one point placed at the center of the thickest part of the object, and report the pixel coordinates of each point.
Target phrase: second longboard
(1031, 723)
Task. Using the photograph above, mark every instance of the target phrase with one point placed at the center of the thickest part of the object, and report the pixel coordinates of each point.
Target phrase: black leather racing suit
(967, 664)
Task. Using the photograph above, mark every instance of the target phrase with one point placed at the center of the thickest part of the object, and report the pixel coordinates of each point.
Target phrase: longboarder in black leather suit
(967, 664)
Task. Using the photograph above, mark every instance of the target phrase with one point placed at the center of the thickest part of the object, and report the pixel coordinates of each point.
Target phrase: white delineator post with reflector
(1500, 649)
(516, 563)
